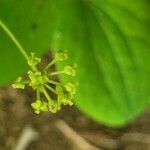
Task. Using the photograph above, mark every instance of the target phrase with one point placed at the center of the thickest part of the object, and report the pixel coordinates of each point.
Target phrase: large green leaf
(109, 40)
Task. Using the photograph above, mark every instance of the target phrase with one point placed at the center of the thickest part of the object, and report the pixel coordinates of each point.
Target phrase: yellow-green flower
(42, 83)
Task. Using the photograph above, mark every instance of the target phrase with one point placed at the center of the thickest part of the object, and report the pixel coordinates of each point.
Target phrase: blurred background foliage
(108, 39)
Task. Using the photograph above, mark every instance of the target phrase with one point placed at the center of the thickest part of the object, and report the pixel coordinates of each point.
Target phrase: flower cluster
(41, 82)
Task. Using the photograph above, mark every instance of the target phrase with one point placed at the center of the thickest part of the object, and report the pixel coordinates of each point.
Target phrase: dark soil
(16, 114)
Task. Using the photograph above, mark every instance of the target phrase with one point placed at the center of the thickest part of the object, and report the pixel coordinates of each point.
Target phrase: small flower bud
(44, 107)
(70, 87)
(39, 106)
(37, 80)
(59, 90)
(67, 101)
(54, 107)
(69, 71)
(19, 84)
(33, 61)
(61, 56)
(36, 106)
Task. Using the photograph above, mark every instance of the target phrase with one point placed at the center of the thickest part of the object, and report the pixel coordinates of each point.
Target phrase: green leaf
(109, 40)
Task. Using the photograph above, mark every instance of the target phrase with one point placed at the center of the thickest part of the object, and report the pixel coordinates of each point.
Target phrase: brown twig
(135, 137)
(74, 137)
(101, 140)
(26, 137)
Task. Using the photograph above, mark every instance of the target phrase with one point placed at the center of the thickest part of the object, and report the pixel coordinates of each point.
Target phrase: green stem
(38, 94)
(56, 73)
(13, 38)
(50, 88)
(47, 96)
(50, 64)
(54, 82)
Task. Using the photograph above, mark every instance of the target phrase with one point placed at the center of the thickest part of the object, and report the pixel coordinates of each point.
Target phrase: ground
(16, 114)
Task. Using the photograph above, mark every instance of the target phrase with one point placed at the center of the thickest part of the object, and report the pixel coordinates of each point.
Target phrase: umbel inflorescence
(41, 82)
